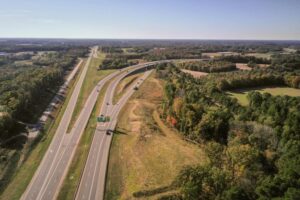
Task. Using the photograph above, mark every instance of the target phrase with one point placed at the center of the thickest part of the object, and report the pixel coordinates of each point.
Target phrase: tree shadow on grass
(120, 132)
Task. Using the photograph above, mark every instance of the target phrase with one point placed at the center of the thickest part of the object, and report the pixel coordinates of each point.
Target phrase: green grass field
(241, 95)
(260, 55)
(21, 178)
(93, 76)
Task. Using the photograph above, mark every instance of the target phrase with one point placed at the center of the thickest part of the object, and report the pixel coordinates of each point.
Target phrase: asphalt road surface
(39, 178)
(92, 183)
(50, 174)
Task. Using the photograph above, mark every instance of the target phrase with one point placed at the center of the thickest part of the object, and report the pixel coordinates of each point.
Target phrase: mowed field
(241, 95)
(146, 154)
(260, 55)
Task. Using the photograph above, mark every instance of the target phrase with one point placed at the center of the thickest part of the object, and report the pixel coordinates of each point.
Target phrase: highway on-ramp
(55, 179)
(92, 182)
(50, 174)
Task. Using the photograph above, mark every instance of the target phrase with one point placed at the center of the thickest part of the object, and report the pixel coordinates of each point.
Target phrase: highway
(53, 151)
(58, 172)
(50, 174)
(92, 183)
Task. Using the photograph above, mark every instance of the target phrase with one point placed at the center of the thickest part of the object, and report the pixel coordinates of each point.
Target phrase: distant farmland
(241, 95)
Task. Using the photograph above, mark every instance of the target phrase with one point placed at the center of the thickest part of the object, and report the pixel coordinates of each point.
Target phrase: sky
(151, 19)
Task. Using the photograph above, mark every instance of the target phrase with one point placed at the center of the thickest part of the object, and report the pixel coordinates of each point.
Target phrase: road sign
(103, 119)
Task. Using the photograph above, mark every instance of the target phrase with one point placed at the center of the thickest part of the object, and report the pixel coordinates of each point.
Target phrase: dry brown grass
(243, 66)
(145, 153)
(219, 54)
(263, 65)
(124, 85)
(195, 74)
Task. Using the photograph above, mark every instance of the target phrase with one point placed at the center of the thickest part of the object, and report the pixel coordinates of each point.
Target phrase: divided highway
(39, 178)
(50, 174)
(93, 179)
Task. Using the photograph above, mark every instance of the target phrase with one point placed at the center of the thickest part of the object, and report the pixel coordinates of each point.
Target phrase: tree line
(245, 59)
(253, 151)
(116, 63)
(208, 66)
(26, 91)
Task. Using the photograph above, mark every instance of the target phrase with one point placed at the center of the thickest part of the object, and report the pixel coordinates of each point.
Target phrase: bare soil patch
(195, 74)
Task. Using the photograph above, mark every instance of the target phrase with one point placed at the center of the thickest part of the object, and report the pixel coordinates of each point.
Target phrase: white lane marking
(103, 138)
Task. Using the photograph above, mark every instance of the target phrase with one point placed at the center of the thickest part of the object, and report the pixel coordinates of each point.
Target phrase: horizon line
(167, 39)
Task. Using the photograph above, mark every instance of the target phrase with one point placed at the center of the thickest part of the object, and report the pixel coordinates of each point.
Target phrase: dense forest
(245, 59)
(253, 151)
(25, 90)
(290, 61)
(116, 58)
(173, 53)
(208, 66)
(115, 63)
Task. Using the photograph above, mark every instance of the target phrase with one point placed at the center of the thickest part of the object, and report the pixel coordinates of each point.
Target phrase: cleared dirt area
(263, 65)
(195, 74)
(219, 54)
(242, 66)
(146, 154)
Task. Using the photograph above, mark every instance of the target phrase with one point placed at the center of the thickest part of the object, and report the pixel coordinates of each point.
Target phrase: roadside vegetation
(24, 163)
(146, 154)
(26, 91)
(124, 85)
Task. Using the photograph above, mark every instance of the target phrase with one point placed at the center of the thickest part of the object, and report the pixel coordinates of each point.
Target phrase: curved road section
(92, 183)
(53, 168)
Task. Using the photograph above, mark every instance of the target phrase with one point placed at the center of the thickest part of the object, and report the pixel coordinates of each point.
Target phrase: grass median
(124, 85)
(72, 180)
(93, 76)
